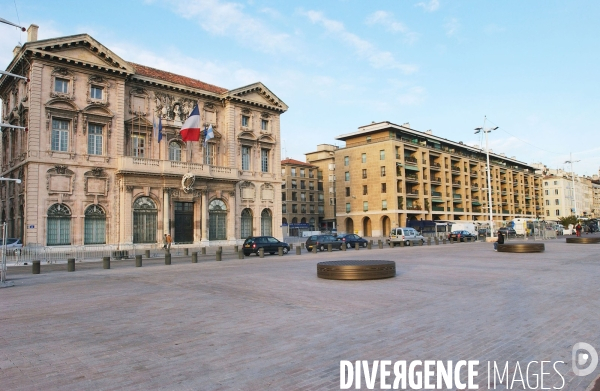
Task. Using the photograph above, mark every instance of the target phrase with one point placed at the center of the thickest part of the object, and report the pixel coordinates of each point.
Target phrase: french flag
(190, 131)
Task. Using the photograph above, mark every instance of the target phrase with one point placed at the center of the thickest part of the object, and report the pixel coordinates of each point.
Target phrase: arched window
(217, 220)
(59, 225)
(144, 220)
(266, 223)
(246, 223)
(294, 220)
(175, 151)
(95, 225)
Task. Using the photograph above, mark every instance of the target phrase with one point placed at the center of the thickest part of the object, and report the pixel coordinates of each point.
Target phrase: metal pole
(3, 273)
(489, 179)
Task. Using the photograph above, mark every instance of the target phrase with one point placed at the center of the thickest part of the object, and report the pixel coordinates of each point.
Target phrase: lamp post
(571, 161)
(489, 175)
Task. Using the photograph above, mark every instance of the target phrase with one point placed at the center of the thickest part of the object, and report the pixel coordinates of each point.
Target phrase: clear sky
(531, 67)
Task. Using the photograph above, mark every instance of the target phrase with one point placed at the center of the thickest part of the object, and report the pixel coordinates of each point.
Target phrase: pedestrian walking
(499, 241)
(578, 229)
(165, 241)
(169, 241)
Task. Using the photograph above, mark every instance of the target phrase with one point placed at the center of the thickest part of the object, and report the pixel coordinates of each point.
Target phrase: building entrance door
(184, 222)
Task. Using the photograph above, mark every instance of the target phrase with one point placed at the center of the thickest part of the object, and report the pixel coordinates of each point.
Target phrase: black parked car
(350, 239)
(321, 242)
(507, 232)
(270, 244)
(461, 236)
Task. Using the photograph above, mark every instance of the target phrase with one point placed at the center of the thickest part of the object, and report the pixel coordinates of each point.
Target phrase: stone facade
(91, 160)
(388, 174)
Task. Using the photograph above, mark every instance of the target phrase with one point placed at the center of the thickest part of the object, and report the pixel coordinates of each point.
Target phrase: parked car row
(271, 245)
(461, 236)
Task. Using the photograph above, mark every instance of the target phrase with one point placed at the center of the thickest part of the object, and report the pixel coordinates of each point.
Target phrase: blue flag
(159, 129)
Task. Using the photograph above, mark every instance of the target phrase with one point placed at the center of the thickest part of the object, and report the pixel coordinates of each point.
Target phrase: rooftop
(144, 70)
(296, 162)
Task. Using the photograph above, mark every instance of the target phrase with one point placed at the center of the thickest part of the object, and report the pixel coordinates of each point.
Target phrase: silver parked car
(406, 235)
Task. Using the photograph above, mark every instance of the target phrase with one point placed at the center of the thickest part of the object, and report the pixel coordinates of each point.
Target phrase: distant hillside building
(93, 171)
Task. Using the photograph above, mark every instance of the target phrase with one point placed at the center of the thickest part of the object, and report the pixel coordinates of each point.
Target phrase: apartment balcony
(436, 194)
(515, 183)
(473, 173)
(456, 183)
(412, 178)
(410, 160)
(505, 212)
(504, 192)
(526, 184)
(474, 188)
(161, 167)
(476, 210)
(456, 196)
(503, 180)
(398, 156)
(436, 180)
(412, 193)
(438, 209)
(458, 209)
(435, 166)
(413, 207)
(455, 169)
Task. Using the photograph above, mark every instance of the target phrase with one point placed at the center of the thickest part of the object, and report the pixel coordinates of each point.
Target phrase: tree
(565, 221)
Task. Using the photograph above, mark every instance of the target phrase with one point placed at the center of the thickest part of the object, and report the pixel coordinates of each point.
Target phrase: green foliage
(565, 221)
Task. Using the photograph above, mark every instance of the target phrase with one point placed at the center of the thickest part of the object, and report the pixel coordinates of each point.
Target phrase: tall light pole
(573, 181)
(489, 175)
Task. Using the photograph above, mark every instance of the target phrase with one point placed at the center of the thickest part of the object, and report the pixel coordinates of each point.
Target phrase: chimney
(16, 51)
(429, 131)
(32, 33)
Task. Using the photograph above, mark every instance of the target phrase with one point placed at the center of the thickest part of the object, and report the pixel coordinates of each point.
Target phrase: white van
(469, 227)
(406, 235)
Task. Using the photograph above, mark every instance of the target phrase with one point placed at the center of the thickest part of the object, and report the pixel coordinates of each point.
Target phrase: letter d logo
(580, 358)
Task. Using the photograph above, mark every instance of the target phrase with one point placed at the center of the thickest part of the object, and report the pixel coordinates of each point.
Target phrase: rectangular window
(331, 202)
(556, 182)
(547, 202)
(364, 173)
(321, 198)
(556, 202)
(364, 157)
(383, 204)
(546, 192)
(294, 184)
(294, 196)
(302, 185)
(320, 186)
(555, 191)
(61, 85)
(302, 172)
(364, 189)
(382, 155)
(302, 208)
(211, 155)
(347, 192)
(382, 170)
(321, 209)
(347, 207)
(311, 185)
(365, 206)
(94, 139)
(264, 124)
(245, 121)
(303, 197)
(264, 160)
(311, 197)
(558, 212)
(293, 171)
(246, 158)
(138, 143)
(311, 208)
(294, 208)
(60, 135)
(284, 208)
(283, 196)
(346, 160)
(347, 176)
(383, 188)
(96, 92)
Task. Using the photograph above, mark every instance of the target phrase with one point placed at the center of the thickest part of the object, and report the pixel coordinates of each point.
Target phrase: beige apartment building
(388, 174)
(301, 197)
(93, 171)
(324, 159)
(559, 198)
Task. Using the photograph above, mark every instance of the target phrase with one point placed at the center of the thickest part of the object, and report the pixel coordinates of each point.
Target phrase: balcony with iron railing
(438, 209)
(435, 166)
(456, 183)
(455, 168)
(410, 160)
(413, 207)
(473, 173)
(436, 194)
(436, 180)
(412, 178)
(154, 166)
(458, 209)
(412, 193)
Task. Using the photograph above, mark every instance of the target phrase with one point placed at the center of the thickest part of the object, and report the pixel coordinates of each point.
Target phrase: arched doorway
(144, 220)
(59, 225)
(386, 226)
(303, 221)
(349, 226)
(217, 220)
(266, 222)
(283, 221)
(246, 228)
(94, 225)
(367, 227)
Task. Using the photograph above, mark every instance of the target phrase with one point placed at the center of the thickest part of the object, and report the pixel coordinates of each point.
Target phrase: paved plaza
(271, 324)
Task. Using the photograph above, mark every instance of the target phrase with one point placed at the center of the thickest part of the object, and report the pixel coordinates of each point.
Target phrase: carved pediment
(61, 104)
(246, 135)
(268, 139)
(98, 110)
(258, 93)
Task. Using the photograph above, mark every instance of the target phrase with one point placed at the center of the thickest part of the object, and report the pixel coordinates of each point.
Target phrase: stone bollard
(356, 246)
(314, 249)
(410, 243)
(343, 248)
(298, 250)
(220, 249)
(138, 261)
(437, 241)
(302, 245)
(186, 252)
(329, 247)
(71, 264)
(261, 252)
(35, 267)
(380, 244)
(195, 257)
(429, 241)
(370, 245)
(219, 254)
(106, 262)
(236, 248)
(167, 258)
(444, 241)
(240, 255)
(203, 250)
(392, 244)
(147, 253)
(280, 251)
(402, 243)
(291, 246)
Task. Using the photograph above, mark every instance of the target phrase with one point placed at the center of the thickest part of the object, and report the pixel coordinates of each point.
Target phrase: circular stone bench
(521, 248)
(356, 270)
(581, 240)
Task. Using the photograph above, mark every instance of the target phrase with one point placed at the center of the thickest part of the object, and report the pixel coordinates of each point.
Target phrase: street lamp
(573, 180)
(489, 175)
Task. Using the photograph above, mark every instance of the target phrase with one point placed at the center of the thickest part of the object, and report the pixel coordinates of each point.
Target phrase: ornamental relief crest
(170, 107)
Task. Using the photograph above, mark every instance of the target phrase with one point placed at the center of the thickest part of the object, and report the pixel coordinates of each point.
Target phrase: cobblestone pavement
(271, 324)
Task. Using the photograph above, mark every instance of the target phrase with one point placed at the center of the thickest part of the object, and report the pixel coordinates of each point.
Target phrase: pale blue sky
(530, 66)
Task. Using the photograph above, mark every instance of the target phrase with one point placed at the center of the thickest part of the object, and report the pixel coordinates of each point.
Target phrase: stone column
(127, 215)
(166, 202)
(231, 217)
(204, 207)
(197, 216)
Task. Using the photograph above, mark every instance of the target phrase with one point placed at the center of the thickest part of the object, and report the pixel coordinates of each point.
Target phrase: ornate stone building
(91, 166)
